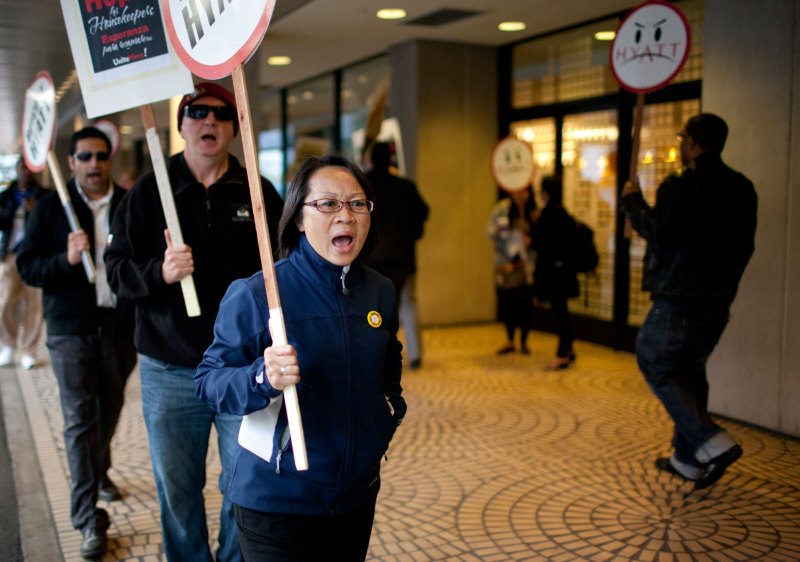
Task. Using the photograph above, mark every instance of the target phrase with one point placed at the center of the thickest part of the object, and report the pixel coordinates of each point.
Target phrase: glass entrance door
(589, 159)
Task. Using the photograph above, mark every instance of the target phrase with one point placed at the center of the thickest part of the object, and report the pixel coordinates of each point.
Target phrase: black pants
(515, 310)
(278, 537)
(563, 322)
(91, 372)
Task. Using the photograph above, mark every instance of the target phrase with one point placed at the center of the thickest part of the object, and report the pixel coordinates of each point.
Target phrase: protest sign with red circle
(38, 121)
(650, 47)
(111, 131)
(213, 38)
(512, 164)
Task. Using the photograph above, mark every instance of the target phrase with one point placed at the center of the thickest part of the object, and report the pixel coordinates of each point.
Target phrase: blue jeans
(672, 349)
(178, 429)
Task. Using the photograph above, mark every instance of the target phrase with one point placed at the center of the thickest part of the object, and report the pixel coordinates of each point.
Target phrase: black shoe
(95, 538)
(717, 466)
(663, 464)
(107, 491)
(508, 348)
(416, 364)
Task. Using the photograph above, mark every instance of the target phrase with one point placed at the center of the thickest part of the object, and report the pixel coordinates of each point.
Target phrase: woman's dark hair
(554, 189)
(530, 204)
(288, 231)
(88, 133)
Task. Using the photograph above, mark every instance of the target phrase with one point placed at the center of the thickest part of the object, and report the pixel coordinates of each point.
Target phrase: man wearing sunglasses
(89, 330)
(212, 199)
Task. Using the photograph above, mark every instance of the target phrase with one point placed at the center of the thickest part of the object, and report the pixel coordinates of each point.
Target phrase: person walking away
(555, 278)
(510, 230)
(700, 236)
(89, 330)
(18, 299)
(212, 199)
(401, 212)
(344, 357)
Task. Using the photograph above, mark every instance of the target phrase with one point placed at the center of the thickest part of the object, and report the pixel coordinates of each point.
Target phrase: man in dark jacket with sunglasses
(89, 330)
(212, 199)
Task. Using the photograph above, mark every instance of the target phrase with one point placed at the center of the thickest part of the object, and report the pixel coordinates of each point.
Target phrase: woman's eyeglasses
(334, 205)
(200, 111)
(86, 156)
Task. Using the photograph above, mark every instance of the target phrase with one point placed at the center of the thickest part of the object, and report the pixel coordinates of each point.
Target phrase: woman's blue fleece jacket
(349, 368)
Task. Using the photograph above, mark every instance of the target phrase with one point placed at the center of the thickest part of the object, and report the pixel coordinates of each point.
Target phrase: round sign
(512, 164)
(111, 131)
(650, 48)
(38, 121)
(213, 38)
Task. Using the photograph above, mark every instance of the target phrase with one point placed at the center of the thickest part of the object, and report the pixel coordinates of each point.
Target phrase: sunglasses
(86, 156)
(199, 111)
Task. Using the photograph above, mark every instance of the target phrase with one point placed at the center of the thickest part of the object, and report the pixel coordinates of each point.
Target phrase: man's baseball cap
(209, 89)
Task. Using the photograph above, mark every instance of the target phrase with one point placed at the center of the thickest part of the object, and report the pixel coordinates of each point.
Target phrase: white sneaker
(6, 356)
(27, 361)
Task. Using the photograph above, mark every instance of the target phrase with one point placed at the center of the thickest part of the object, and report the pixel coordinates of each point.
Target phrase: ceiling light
(512, 26)
(308, 95)
(279, 60)
(391, 14)
(605, 35)
(126, 129)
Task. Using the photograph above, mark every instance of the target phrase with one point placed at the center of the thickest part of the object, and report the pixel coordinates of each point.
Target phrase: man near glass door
(700, 236)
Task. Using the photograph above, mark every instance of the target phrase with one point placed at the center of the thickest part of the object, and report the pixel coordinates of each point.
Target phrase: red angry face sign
(512, 164)
(650, 47)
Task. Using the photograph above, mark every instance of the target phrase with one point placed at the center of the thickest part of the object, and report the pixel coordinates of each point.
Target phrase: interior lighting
(605, 35)
(512, 26)
(391, 14)
(279, 60)
(126, 129)
(672, 155)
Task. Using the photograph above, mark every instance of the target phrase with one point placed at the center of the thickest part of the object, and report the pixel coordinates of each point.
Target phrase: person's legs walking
(74, 363)
(228, 442)
(32, 319)
(178, 428)
(10, 294)
(672, 348)
(563, 322)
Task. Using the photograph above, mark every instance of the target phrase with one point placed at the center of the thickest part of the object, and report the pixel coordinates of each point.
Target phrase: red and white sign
(512, 164)
(651, 47)
(213, 38)
(122, 54)
(38, 121)
(111, 131)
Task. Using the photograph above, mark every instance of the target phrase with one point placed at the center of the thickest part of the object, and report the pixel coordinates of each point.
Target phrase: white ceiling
(319, 36)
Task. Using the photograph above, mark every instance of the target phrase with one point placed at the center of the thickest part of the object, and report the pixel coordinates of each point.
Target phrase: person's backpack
(584, 252)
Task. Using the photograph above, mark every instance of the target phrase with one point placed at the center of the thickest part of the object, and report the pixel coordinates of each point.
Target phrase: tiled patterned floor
(499, 460)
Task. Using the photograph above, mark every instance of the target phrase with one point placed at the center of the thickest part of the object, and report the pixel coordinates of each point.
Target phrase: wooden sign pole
(63, 194)
(167, 201)
(638, 116)
(277, 326)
